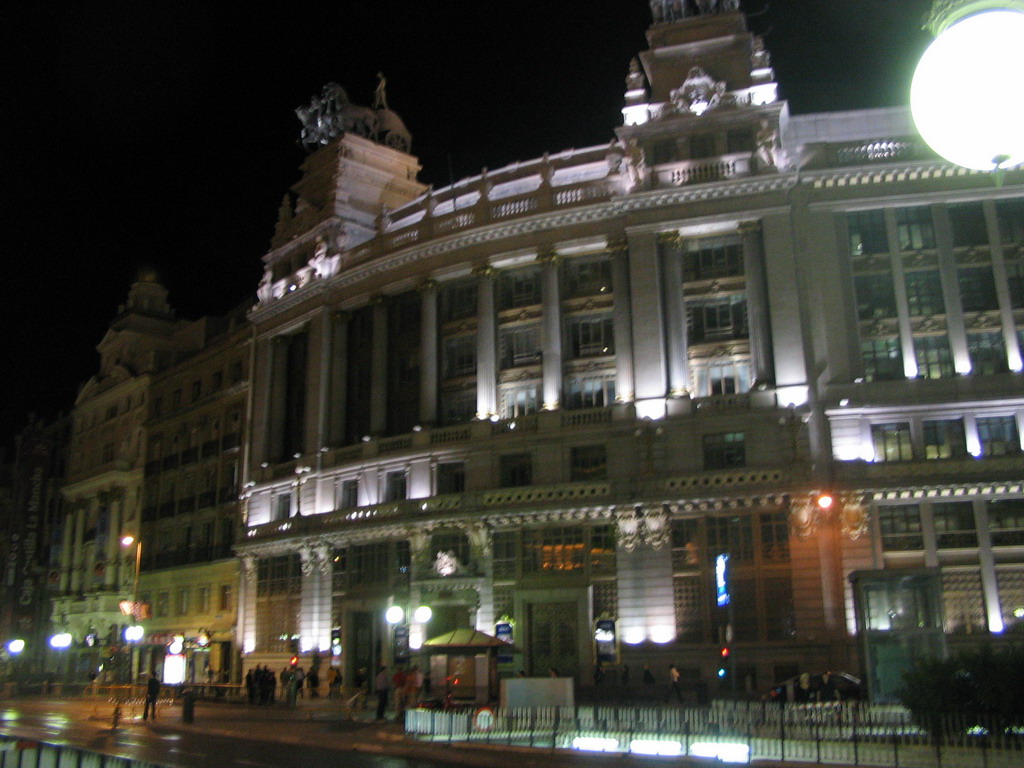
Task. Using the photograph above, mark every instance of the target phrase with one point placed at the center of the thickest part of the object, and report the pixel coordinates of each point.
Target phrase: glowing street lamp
(60, 641)
(966, 93)
(15, 646)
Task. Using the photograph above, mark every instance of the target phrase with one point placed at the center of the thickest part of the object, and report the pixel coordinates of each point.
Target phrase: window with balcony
(998, 435)
(518, 400)
(914, 228)
(719, 377)
(515, 470)
(866, 231)
(519, 345)
(924, 293)
(717, 319)
(348, 494)
(944, 439)
(875, 296)
(1010, 218)
(458, 407)
(740, 141)
(591, 336)
(987, 353)
(590, 392)
(892, 441)
(588, 463)
(934, 358)
(282, 506)
(725, 450)
(459, 356)
(900, 527)
(702, 146)
(977, 289)
(455, 542)
(882, 359)
(1006, 522)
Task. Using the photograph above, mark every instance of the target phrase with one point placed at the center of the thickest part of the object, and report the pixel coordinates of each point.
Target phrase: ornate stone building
(557, 392)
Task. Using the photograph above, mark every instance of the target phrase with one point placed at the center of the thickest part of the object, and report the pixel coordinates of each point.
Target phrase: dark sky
(163, 134)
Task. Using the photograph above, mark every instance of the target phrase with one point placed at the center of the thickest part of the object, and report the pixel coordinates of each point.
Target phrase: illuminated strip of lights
(595, 744)
(727, 752)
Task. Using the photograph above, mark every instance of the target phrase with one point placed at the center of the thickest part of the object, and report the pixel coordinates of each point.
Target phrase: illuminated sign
(722, 579)
(503, 631)
(604, 639)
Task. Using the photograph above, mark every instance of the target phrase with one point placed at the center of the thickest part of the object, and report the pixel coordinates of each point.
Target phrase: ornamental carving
(249, 569)
(848, 511)
(643, 526)
(699, 93)
(314, 558)
(628, 523)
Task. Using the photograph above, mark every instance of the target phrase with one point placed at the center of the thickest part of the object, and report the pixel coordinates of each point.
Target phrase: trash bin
(188, 707)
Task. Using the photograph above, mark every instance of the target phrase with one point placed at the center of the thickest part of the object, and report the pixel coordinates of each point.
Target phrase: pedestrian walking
(675, 683)
(380, 685)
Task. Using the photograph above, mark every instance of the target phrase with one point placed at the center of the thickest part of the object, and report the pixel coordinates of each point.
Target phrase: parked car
(812, 689)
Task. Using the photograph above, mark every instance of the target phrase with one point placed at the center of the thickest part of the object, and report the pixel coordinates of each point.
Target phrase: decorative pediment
(699, 93)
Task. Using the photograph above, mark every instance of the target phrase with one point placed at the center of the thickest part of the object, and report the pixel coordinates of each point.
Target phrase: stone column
(379, 369)
(675, 317)
(486, 346)
(551, 332)
(111, 501)
(278, 397)
(755, 273)
(246, 627)
(955, 328)
(338, 388)
(428, 353)
(622, 322)
(315, 611)
(649, 367)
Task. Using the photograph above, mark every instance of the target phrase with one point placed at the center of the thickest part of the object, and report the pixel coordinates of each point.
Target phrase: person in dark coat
(152, 694)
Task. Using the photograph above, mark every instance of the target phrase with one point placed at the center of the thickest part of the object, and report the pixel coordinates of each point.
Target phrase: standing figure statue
(636, 164)
(767, 146)
(380, 97)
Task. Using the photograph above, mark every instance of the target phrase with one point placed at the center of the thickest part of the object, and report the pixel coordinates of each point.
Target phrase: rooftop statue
(668, 11)
(331, 114)
(380, 97)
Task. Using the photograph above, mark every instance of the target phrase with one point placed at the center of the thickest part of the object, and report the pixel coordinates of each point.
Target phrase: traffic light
(295, 661)
(336, 641)
(724, 654)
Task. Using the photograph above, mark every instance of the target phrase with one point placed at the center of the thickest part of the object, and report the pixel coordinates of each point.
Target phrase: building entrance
(553, 639)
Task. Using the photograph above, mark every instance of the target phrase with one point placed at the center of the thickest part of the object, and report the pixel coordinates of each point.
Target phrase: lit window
(725, 450)
(892, 441)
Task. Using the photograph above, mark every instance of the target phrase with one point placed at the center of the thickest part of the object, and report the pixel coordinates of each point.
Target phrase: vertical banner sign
(604, 640)
(22, 573)
(401, 642)
(503, 631)
(722, 579)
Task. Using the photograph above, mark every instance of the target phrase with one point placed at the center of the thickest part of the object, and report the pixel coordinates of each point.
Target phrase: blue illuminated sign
(722, 579)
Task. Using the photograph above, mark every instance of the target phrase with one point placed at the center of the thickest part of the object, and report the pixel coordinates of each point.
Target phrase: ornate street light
(967, 95)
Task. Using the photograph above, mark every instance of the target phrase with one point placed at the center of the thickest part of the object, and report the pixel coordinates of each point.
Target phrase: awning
(466, 638)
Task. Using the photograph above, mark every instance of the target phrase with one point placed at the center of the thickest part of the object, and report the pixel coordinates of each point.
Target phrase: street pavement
(316, 732)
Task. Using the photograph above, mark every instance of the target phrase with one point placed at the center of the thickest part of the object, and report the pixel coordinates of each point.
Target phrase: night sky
(162, 134)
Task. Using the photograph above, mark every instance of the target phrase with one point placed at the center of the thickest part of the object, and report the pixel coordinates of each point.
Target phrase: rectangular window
(197, 390)
(348, 494)
(875, 296)
(181, 607)
(934, 358)
(882, 358)
(216, 380)
(739, 141)
(914, 228)
(591, 336)
(203, 599)
(954, 525)
(518, 401)
(591, 392)
(451, 477)
(977, 289)
(516, 470)
(163, 603)
(224, 604)
(586, 277)
(519, 345)
(458, 301)
(944, 439)
(713, 259)
(717, 319)
(282, 506)
(733, 536)
(774, 537)
(967, 222)
(587, 463)
(1015, 283)
(1006, 522)
(394, 485)
(505, 545)
(924, 293)
(987, 353)
(725, 450)
(892, 441)
(998, 435)
(554, 550)
(459, 356)
(519, 288)
(900, 526)
(866, 230)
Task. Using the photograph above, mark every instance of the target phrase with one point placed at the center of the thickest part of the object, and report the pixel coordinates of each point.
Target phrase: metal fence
(847, 734)
(19, 753)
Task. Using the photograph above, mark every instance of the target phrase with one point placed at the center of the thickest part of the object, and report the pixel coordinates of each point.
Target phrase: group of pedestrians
(406, 686)
(261, 685)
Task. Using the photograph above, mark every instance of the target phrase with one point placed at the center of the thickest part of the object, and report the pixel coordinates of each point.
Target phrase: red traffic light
(295, 661)
(725, 653)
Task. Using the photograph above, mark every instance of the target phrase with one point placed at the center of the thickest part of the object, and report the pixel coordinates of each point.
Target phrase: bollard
(188, 707)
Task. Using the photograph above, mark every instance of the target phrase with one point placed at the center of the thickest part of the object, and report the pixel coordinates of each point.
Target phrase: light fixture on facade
(965, 95)
(394, 615)
(60, 641)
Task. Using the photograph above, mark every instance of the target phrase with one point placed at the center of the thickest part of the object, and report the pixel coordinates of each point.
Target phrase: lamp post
(965, 95)
(134, 633)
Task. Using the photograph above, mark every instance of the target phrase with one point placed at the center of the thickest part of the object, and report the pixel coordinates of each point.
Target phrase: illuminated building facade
(557, 391)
